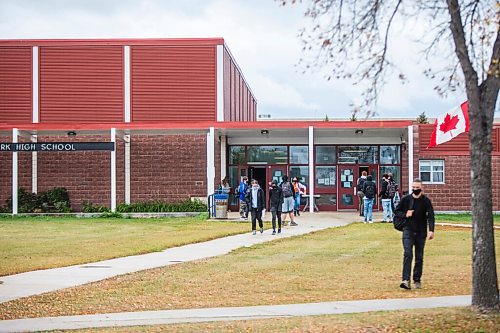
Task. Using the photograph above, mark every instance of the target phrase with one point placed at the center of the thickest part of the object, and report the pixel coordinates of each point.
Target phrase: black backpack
(287, 189)
(361, 182)
(370, 191)
(391, 189)
(399, 222)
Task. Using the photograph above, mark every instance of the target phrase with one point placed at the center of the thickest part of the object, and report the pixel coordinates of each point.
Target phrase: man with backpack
(417, 209)
(361, 194)
(387, 195)
(288, 201)
(370, 191)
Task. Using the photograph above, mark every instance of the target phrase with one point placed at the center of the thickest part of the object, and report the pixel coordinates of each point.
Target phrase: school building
(128, 120)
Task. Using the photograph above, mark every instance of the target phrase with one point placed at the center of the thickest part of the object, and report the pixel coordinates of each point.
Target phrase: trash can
(221, 201)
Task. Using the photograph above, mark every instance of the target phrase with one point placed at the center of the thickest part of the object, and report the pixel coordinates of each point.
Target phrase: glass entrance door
(347, 177)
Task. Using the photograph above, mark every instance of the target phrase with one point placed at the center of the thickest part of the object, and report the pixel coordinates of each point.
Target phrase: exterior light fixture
(264, 132)
(71, 133)
(358, 132)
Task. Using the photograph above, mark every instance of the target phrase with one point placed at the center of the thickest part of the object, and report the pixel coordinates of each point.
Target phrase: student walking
(288, 201)
(386, 199)
(255, 200)
(275, 203)
(299, 189)
(361, 194)
(242, 191)
(370, 191)
(418, 210)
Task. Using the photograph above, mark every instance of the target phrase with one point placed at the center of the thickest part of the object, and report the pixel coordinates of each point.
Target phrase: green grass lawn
(462, 218)
(431, 320)
(347, 263)
(40, 242)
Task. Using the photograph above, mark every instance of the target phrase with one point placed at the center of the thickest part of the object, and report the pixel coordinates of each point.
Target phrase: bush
(162, 207)
(51, 201)
(88, 207)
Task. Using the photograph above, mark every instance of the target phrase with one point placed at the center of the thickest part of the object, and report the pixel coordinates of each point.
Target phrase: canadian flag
(450, 124)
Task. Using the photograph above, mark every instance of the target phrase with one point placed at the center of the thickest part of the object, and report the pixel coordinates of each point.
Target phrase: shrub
(88, 207)
(162, 207)
(51, 201)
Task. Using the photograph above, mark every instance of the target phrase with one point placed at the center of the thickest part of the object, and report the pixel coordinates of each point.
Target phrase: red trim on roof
(115, 41)
(207, 124)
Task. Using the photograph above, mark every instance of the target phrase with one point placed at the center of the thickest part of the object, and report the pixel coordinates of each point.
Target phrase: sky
(262, 35)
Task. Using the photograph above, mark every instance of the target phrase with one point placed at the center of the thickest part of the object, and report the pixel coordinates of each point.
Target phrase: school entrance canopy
(395, 132)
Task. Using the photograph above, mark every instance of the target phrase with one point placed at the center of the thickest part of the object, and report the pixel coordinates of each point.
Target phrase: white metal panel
(220, 83)
(311, 170)
(210, 161)
(126, 61)
(14, 172)
(34, 95)
(410, 157)
(113, 171)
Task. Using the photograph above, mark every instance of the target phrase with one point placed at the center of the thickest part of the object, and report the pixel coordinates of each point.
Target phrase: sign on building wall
(56, 146)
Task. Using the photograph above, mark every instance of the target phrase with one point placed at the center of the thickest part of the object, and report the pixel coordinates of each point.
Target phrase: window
(432, 171)
(389, 154)
(326, 176)
(237, 155)
(326, 155)
(395, 170)
(268, 154)
(299, 155)
(358, 154)
(300, 171)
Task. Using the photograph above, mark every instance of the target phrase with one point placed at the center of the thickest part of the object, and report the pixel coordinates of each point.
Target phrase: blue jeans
(296, 206)
(368, 203)
(387, 205)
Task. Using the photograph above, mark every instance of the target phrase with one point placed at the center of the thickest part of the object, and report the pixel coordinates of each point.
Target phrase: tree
(422, 118)
(352, 39)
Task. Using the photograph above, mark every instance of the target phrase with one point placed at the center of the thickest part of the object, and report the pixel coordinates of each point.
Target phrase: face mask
(417, 191)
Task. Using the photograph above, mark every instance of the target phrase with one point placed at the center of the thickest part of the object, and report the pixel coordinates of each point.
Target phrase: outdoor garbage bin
(221, 201)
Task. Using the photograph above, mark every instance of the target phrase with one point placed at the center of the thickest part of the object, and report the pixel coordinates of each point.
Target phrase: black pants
(276, 215)
(412, 239)
(256, 215)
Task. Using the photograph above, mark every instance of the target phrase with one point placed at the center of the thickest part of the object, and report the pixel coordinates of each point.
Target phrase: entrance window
(268, 154)
(299, 155)
(389, 155)
(237, 155)
(300, 171)
(395, 170)
(325, 177)
(326, 155)
(358, 155)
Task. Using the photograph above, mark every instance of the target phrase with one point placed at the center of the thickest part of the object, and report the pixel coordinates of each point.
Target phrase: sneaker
(370, 222)
(261, 230)
(364, 222)
(405, 284)
(254, 232)
(274, 232)
(293, 224)
(418, 285)
(279, 231)
(242, 218)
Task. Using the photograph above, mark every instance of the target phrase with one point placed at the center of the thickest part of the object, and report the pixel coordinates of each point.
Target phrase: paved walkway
(43, 281)
(226, 314)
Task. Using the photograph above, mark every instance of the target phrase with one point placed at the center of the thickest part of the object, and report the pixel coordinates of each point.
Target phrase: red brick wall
(455, 194)
(171, 168)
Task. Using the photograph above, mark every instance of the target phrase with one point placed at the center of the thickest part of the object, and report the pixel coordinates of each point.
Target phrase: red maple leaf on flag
(449, 123)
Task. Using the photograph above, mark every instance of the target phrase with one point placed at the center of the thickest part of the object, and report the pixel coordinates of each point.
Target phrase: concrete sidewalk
(226, 314)
(43, 281)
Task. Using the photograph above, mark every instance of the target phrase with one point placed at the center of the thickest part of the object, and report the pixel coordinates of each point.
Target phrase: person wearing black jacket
(275, 203)
(255, 200)
(418, 210)
(370, 191)
(386, 200)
